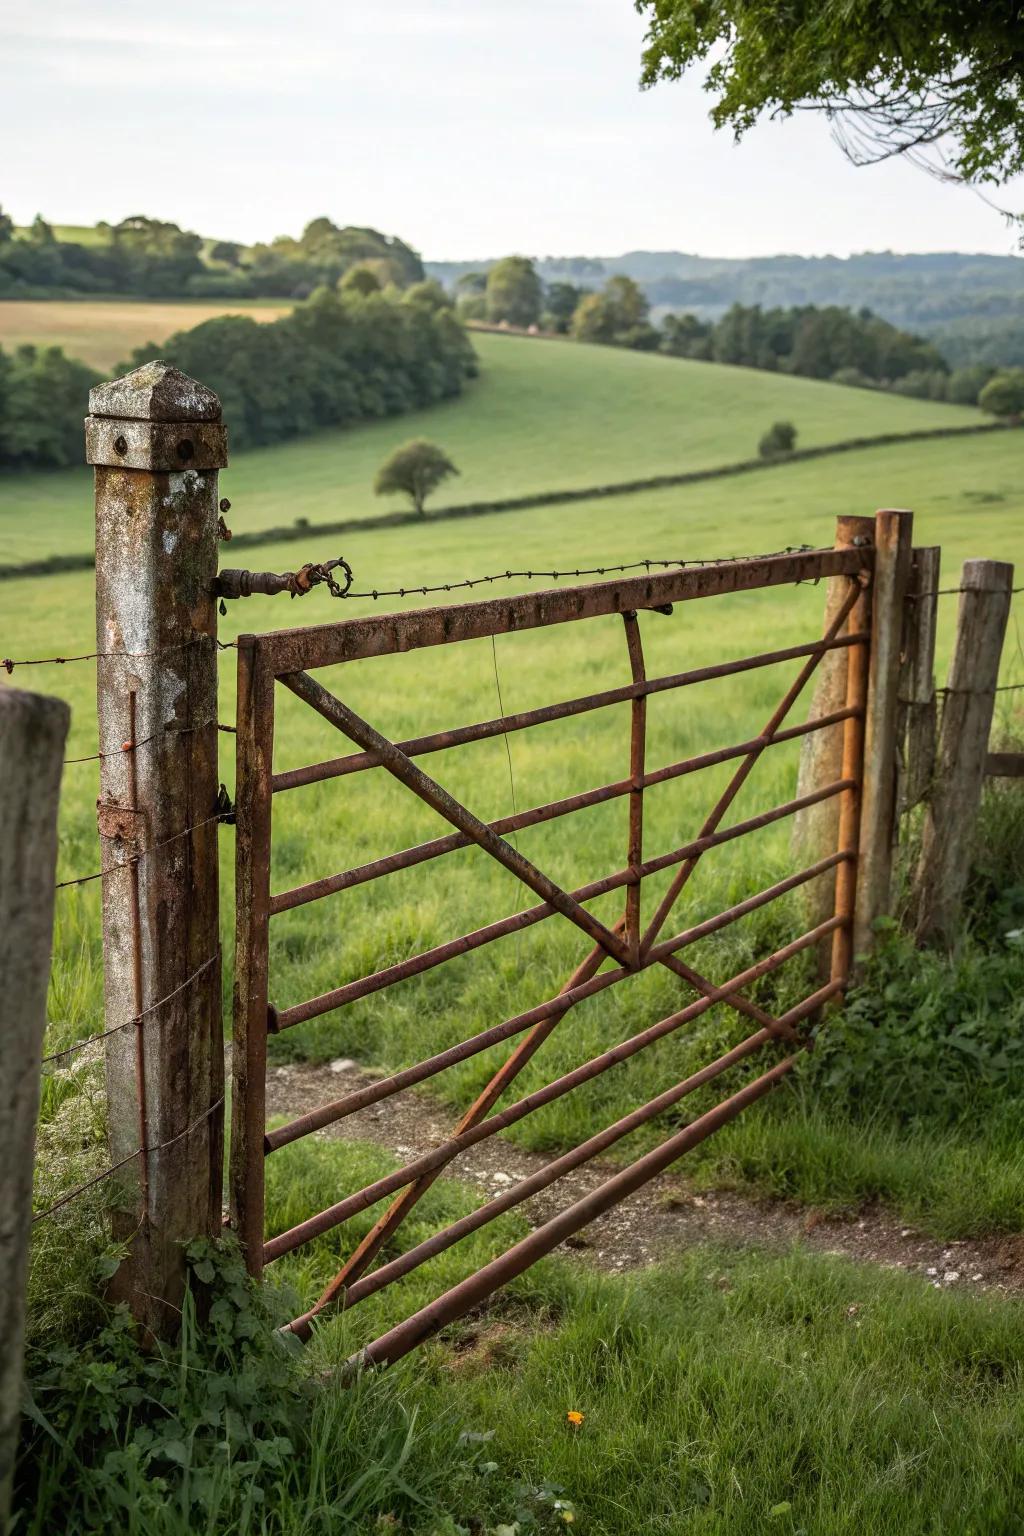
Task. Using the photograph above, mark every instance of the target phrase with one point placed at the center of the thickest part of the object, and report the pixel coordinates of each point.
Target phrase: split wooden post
(32, 735)
(157, 442)
(816, 829)
(917, 703)
(894, 531)
(952, 809)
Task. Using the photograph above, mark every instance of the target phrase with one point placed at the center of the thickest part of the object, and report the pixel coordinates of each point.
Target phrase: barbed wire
(133, 746)
(147, 1151)
(81, 1045)
(113, 869)
(375, 593)
(10, 662)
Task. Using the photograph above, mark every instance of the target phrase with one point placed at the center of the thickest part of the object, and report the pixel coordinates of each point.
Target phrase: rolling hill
(542, 416)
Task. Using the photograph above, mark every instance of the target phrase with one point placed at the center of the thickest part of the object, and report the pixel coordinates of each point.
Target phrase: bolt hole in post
(186, 450)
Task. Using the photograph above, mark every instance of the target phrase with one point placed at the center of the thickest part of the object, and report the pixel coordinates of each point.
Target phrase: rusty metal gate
(631, 945)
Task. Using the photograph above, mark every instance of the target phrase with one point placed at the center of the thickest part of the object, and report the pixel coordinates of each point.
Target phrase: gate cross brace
(436, 796)
(628, 948)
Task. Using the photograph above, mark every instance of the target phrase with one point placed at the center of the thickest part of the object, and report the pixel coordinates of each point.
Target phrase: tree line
(152, 258)
(347, 354)
(819, 342)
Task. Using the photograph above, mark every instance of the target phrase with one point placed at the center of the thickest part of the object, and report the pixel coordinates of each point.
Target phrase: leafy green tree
(966, 384)
(154, 257)
(922, 384)
(778, 440)
(43, 396)
(939, 80)
(360, 280)
(429, 293)
(1004, 395)
(471, 295)
(415, 469)
(686, 336)
(560, 303)
(514, 292)
(6, 227)
(227, 251)
(616, 316)
(471, 306)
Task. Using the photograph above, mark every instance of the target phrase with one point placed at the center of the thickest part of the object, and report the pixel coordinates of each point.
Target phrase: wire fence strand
(375, 593)
(10, 662)
(115, 1029)
(161, 1146)
(113, 869)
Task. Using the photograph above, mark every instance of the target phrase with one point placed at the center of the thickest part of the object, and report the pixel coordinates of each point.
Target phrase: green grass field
(966, 500)
(738, 1392)
(103, 332)
(542, 416)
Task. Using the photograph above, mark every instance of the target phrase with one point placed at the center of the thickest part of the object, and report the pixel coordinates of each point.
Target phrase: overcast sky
(469, 127)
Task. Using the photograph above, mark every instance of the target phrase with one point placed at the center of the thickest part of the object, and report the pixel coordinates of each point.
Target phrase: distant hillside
(972, 304)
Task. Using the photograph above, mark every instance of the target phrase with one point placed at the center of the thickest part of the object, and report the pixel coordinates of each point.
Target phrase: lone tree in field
(779, 439)
(514, 292)
(940, 81)
(416, 469)
(1003, 396)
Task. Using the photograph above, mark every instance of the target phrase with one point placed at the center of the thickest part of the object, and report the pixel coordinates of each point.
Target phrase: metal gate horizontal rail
(288, 657)
(484, 730)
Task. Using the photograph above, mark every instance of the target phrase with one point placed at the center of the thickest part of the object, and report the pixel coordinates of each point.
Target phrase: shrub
(779, 439)
(1004, 395)
(853, 378)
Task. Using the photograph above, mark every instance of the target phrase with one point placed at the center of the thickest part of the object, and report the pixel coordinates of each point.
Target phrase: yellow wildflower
(575, 1418)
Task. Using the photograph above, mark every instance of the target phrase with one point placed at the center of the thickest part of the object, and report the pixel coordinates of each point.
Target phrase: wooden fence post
(917, 701)
(32, 734)
(952, 809)
(156, 441)
(816, 829)
(893, 543)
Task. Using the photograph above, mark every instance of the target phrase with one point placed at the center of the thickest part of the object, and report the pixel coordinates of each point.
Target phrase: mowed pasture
(103, 332)
(543, 415)
(967, 497)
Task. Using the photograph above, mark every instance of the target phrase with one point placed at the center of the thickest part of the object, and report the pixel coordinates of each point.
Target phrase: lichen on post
(156, 440)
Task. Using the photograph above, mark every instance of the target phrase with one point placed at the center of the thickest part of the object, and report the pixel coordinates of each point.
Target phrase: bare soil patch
(664, 1217)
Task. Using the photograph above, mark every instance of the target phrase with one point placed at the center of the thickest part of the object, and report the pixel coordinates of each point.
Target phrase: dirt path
(664, 1217)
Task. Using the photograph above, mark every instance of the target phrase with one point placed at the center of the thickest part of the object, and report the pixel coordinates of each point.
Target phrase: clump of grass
(728, 1391)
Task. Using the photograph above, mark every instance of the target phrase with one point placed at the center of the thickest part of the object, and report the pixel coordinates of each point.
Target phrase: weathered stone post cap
(155, 418)
(155, 392)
